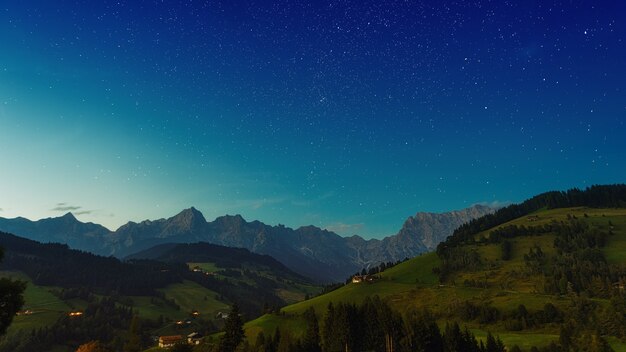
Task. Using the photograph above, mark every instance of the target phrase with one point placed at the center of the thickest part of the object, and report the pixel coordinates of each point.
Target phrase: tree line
(370, 326)
(597, 196)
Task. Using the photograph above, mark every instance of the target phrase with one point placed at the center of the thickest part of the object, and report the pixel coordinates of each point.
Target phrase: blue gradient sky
(349, 115)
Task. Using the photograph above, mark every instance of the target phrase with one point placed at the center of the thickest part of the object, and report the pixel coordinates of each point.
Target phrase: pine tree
(311, 340)
(133, 344)
(422, 333)
(233, 331)
(491, 345)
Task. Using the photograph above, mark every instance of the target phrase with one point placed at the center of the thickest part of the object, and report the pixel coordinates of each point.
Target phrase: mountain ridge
(308, 250)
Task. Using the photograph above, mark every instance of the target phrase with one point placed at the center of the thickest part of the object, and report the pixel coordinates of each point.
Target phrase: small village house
(221, 315)
(356, 279)
(194, 338)
(170, 341)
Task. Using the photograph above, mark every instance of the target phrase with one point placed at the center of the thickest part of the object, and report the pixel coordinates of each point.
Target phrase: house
(362, 278)
(170, 341)
(194, 338)
(195, 313)
(533, 218)
(221, 315)
(619, 285)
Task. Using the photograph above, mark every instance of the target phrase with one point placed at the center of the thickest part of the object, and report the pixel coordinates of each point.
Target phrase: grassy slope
(290, 290)
(188, 295)
(47, 307)
(191, 296)
(412, 283)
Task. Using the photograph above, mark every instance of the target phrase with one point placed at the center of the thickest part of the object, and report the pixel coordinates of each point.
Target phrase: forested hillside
(541, 278)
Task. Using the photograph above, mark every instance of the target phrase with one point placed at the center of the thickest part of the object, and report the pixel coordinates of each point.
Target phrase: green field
(191, 296)
(290, 290)
(412, 284)
(151, 308)
(46, 307)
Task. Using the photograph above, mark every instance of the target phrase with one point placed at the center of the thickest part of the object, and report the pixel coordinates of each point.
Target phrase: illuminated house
(170, 341)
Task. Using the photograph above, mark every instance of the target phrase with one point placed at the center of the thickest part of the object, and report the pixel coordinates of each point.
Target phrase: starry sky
(349, 115)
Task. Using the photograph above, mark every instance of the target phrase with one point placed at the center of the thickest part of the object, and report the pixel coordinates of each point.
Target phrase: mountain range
(310, 251)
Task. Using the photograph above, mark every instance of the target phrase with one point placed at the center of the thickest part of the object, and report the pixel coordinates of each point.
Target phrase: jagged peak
(69, 216)
(191, 212)
(228, 217)
(311, 228)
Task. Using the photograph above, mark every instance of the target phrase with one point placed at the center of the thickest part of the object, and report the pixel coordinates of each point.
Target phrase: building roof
(170, 339)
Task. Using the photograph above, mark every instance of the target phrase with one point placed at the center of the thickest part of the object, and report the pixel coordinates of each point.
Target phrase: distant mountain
(310, 251)
(429, 229)
(420, 233)
(65, 229)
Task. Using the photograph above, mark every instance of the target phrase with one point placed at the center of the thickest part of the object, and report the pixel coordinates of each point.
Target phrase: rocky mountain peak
(431, 228)
(190, 215)
(69, 216)
(236, 219)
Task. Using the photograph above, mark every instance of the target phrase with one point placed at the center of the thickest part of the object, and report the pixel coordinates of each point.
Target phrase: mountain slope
(65, 229)
(237, 275)
(429, 229)
(420, 233)
(486, 295)
(162, 285)
(220, 256)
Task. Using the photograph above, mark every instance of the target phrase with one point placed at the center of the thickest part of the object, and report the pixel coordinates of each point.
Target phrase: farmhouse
(169, 341)
(194, 338)
(221, 315)
(356, 279)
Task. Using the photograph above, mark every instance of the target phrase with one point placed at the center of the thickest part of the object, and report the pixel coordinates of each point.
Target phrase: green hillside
(169, 297)
(288, 288)
(494, 283)
(41, 307)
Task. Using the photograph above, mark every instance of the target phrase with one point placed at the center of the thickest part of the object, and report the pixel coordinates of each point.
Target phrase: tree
(133, 344)
(493, 344)
(11, 299)
(422, 333)
(233, 331)
(311, 340)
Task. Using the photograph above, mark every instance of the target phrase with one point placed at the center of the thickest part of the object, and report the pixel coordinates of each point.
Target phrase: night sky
(349, 115)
